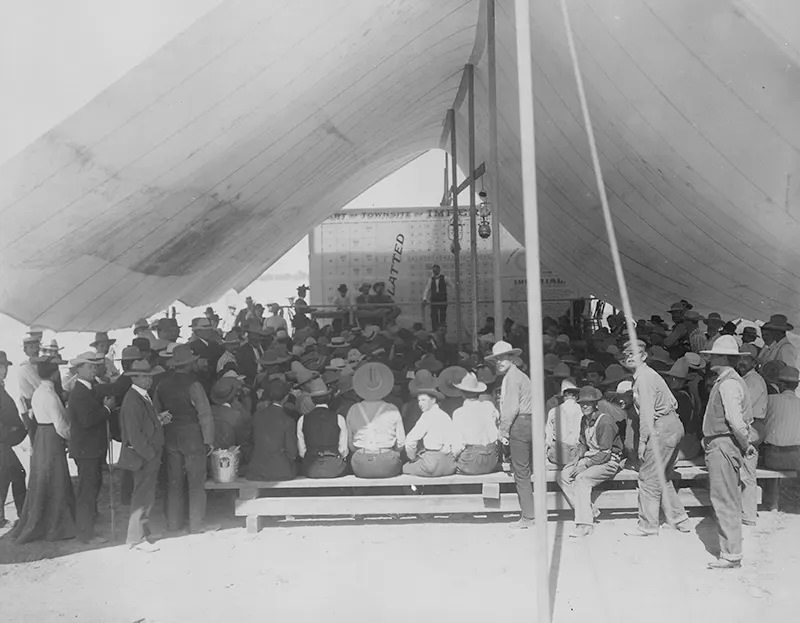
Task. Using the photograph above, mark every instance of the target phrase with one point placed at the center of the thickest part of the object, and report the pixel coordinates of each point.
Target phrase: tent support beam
(529, 189)
(451, 117)
(494, 168)
(473, 208)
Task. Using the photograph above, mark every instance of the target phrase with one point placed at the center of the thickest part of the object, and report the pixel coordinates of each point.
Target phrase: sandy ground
(451, 570)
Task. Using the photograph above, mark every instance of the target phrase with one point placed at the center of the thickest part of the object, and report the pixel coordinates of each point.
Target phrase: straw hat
(694, 361)
(373, 381)
(142, 367)
(182, 355)
(448, 378)
(87, 357)
(503, 350)
(724, 345)
(354, 356)
(370, 331)
(337, 364)
(470, 384)
(101, 337)
(53, 348)
(224, 390)
(590, 394)
(339, 342)
(568, 385)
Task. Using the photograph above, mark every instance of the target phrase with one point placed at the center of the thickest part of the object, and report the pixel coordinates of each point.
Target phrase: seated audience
(781, 446)
(434, 430)
(475, 424)
(274, 437)
(322, 435)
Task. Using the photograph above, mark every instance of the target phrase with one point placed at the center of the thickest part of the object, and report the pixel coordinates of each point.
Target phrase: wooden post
(494, 167)
(528, 150)
(473, 208)
(451, 116)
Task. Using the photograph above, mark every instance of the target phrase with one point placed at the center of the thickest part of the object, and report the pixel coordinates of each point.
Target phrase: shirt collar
(86, 383)
(726, 372)
(143, 393)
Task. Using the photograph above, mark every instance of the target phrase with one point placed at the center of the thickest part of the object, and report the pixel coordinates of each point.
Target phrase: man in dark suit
(274, 438)
(142, 445)
(249, 354)
(206, 346)
(88, 442)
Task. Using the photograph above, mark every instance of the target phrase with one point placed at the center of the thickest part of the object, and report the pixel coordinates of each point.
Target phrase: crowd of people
(380, 401)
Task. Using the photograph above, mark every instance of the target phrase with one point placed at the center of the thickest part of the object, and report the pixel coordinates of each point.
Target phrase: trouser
(475, 459)
(749, 490)
(90, 479)
(126, 486)
(438, 313)
(384, 464)
(579, 491)
(781, 457)
(667, 434)
(521, 445)
(142, 500)
(724, 463)
(11, 473)
(431, 464)
(323, 466)
(561, 454)
(186, 457)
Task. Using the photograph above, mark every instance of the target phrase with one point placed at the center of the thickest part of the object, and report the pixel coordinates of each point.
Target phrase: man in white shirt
(475, 422)
(563, 427)
(436, 432)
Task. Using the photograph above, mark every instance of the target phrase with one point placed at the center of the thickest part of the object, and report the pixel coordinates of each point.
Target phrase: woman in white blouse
(49, 510)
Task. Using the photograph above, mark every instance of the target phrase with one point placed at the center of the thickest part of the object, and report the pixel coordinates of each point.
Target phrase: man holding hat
(375, 427)
(726, 437)
(777, 346)
(660, 431)
(88, 442)
(515, 424)
(188, 438)
(597, 459)
(322, 435)
(142, 445)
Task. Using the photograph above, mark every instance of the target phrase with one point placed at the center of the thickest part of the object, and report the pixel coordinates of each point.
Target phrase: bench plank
(435, 504)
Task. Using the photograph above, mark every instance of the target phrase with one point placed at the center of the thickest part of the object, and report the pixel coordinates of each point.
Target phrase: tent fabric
(204, 164)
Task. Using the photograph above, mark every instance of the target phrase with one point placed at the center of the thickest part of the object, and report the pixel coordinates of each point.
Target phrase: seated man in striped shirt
(597, 460)
(781, 449)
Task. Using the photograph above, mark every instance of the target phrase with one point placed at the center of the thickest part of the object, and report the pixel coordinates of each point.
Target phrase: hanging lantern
(484, 228)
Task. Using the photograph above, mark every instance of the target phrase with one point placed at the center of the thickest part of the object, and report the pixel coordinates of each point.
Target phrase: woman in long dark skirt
(49, 510)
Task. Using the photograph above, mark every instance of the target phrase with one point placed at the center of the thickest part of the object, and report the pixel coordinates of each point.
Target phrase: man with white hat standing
(88, 441)
(726, 437)
(515, 428)
(660, 432)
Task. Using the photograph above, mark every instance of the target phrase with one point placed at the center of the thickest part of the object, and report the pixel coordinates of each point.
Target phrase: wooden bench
(458, 494)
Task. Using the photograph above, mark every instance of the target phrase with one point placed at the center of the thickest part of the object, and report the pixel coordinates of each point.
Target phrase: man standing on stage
(436, 293)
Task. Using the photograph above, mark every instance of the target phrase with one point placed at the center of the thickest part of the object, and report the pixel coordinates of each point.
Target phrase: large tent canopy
(206, 162)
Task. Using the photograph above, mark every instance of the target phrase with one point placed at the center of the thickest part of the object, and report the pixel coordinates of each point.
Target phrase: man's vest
(321, 430)
(173, 392)
(714, 422)
(438, 288)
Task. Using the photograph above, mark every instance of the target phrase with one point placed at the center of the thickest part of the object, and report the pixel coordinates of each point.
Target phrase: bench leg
(253, 524)
(772, 488)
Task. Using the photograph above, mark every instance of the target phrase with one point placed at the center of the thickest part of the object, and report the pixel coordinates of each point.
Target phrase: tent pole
(494, 167)
(451, 117)
(473, 208)
(528, 150)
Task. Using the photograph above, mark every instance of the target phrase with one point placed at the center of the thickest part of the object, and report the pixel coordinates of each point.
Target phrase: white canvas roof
(204, 164)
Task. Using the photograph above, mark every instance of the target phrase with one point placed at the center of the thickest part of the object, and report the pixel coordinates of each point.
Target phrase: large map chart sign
(400, 245)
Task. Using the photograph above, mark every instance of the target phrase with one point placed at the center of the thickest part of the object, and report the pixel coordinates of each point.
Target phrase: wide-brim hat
(317, 388)
(273, 357)
(339, 342)
(182, 355)
(424, 383)
(4, 359)
(503, 349)
(131, 353)
(778, 322)
(448, 378)
(725, 345)
(224, 390)
(590, 394)
(337, 364)
(471, 384)
(429, 362)
(141, 324)
(562, 371)
(101, 338)
(53, 359)
(550, 362)
(679, 369)
(87, 357)
(614, 374)
(694, 361)
(714, 318)
(31, 339)
(370, 331)
(303, 374)
(788, 374)
(142, 367)
(657, 353)
(373, 381)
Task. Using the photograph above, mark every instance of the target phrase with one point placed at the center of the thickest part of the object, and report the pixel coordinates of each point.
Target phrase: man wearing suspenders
(436, 294)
